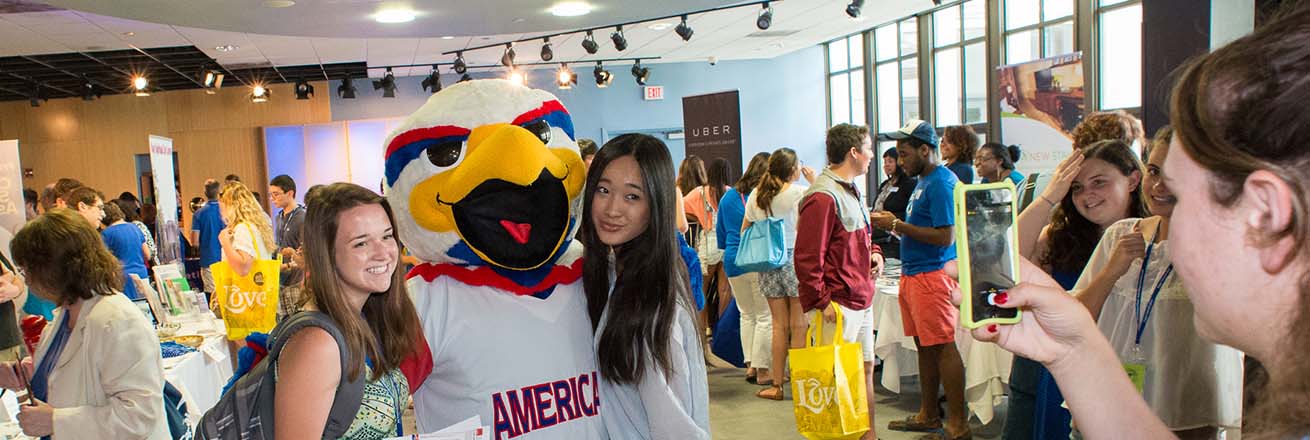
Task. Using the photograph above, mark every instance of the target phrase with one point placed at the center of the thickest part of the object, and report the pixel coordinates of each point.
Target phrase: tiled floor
(736, 414)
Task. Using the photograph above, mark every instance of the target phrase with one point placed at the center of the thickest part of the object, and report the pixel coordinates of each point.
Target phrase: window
(846, 80)
(1119, 36)
(960, 64)
(1036, 29)
(896, 74)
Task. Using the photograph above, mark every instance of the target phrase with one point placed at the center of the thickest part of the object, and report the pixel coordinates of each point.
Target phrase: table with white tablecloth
(986, 366)
(200, 376)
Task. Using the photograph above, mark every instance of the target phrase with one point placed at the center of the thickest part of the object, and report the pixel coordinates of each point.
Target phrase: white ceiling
(729, 34)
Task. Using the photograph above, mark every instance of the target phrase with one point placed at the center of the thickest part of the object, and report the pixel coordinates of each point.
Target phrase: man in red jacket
(836, 262)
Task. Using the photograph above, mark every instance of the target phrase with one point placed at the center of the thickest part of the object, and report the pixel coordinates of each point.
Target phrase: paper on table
(469, 429)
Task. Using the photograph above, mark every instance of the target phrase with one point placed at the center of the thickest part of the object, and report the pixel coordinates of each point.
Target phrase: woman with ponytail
(776, 197)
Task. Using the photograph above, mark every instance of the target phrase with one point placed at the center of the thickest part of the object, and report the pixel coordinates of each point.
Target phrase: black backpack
(245, 412)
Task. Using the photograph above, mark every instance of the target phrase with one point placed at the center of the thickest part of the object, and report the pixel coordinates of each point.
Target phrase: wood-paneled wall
(213, 135)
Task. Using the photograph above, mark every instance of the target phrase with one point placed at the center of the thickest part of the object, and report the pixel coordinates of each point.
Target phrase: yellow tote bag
(248, 304)
(828, 392)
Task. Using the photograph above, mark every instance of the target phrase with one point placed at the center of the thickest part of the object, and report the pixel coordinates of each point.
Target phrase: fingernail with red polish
(1002, 298)
(991, 328)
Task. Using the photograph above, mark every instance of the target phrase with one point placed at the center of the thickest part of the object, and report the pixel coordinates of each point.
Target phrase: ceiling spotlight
(683, 30)
(640, 73)
(546, 53)
(589, 43)
(394, 16)
(517, 77)
(89, 92)
(433, 81)
(259, 94)
(853, 9)
(209, 78)
(460, 67)
(565, 78)
(603, 77)
(507, 59)
(139, 84)
(765, 18)
(347, 88)
(620, 42)
(570, 9)
(465, 77)
(387, 84)
(304, 89)
(37, 96)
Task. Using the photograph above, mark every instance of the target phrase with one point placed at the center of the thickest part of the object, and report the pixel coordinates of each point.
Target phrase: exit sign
(653, 93)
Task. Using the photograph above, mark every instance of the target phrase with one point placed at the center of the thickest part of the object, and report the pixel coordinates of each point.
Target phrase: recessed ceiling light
(394, 16)
(447, 37)
(520, 20)
(278, 3)
(129, 34)
(570, 9)
(660, 26)
(226, 48)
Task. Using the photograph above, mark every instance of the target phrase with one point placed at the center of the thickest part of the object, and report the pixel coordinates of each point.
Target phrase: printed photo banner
(1041, 102)
(161, 167)
(12, 212)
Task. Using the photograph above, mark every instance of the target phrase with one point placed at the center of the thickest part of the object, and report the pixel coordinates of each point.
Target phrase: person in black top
(893, 196)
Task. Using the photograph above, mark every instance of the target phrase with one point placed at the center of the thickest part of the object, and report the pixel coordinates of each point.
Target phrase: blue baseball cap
(913, 128)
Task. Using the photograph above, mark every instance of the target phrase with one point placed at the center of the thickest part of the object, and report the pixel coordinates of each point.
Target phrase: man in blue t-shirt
(206, 223)
(927, 243)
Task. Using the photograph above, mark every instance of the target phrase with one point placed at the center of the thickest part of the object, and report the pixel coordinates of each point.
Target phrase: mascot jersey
(485, 181)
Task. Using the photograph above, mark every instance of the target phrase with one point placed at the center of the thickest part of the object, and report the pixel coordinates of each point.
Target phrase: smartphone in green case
(986, 243)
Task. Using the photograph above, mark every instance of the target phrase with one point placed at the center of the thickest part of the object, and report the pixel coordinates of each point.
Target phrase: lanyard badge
(1136, 367)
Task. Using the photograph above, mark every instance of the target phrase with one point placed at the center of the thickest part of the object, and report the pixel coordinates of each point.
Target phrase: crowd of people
(1131, 329)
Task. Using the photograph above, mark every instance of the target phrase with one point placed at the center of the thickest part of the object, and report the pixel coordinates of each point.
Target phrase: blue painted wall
(782, 100)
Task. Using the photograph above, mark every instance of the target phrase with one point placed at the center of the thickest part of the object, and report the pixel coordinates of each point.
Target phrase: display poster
(712, 124)
(1041, 102)
(12, 212)
(161, 167)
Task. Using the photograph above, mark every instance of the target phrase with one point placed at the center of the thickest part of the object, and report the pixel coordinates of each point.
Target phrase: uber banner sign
(713, 128)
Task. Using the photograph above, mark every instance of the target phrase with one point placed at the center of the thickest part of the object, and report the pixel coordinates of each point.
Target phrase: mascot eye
(445, 154)
(541, 129)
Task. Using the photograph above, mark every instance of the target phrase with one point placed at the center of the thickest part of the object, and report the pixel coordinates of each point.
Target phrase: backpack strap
(346, 402)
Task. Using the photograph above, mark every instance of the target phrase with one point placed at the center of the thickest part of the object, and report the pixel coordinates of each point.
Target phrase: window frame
(1098, 12)
(961, 43)
(850, 78)
(1042, 26)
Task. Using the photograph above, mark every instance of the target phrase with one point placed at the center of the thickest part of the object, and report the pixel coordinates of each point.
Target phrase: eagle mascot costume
(486, 182)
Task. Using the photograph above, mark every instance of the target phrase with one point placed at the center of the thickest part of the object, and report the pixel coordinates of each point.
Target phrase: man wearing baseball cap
(927, 243)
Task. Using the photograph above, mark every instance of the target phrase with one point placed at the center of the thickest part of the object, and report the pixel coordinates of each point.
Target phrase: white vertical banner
(12, 212)
(167, 232)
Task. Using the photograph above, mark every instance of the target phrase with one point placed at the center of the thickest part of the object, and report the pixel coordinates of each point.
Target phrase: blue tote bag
(763, 246)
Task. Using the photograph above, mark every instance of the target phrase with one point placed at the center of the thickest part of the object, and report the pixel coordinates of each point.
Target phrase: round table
(201, 375)
(986, 366)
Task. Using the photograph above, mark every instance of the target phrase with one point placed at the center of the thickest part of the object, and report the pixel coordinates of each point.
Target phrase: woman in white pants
(756, 322)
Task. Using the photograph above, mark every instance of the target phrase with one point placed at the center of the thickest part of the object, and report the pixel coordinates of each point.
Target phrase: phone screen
(992, 257)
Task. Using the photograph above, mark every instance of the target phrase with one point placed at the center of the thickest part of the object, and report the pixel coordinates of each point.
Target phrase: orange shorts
(926, 309)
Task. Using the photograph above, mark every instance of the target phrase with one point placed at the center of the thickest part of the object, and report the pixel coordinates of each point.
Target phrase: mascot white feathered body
(486, 183)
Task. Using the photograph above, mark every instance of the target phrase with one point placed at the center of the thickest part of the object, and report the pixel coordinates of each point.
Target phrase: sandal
(751, 379)
(770, 393)
(911, 424)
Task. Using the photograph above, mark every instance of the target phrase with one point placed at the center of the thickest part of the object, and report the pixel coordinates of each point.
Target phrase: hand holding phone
(985, 243)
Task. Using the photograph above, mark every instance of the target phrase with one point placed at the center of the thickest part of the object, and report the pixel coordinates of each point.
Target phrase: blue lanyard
(1142, 319)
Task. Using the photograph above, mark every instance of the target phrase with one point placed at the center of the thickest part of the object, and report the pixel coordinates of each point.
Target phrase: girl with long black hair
(652, 369)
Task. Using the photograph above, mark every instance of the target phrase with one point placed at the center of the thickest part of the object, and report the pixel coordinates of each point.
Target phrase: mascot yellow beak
(508, 198)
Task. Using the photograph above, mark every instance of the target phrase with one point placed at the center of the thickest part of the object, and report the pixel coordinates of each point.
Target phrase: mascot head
(486, 173)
